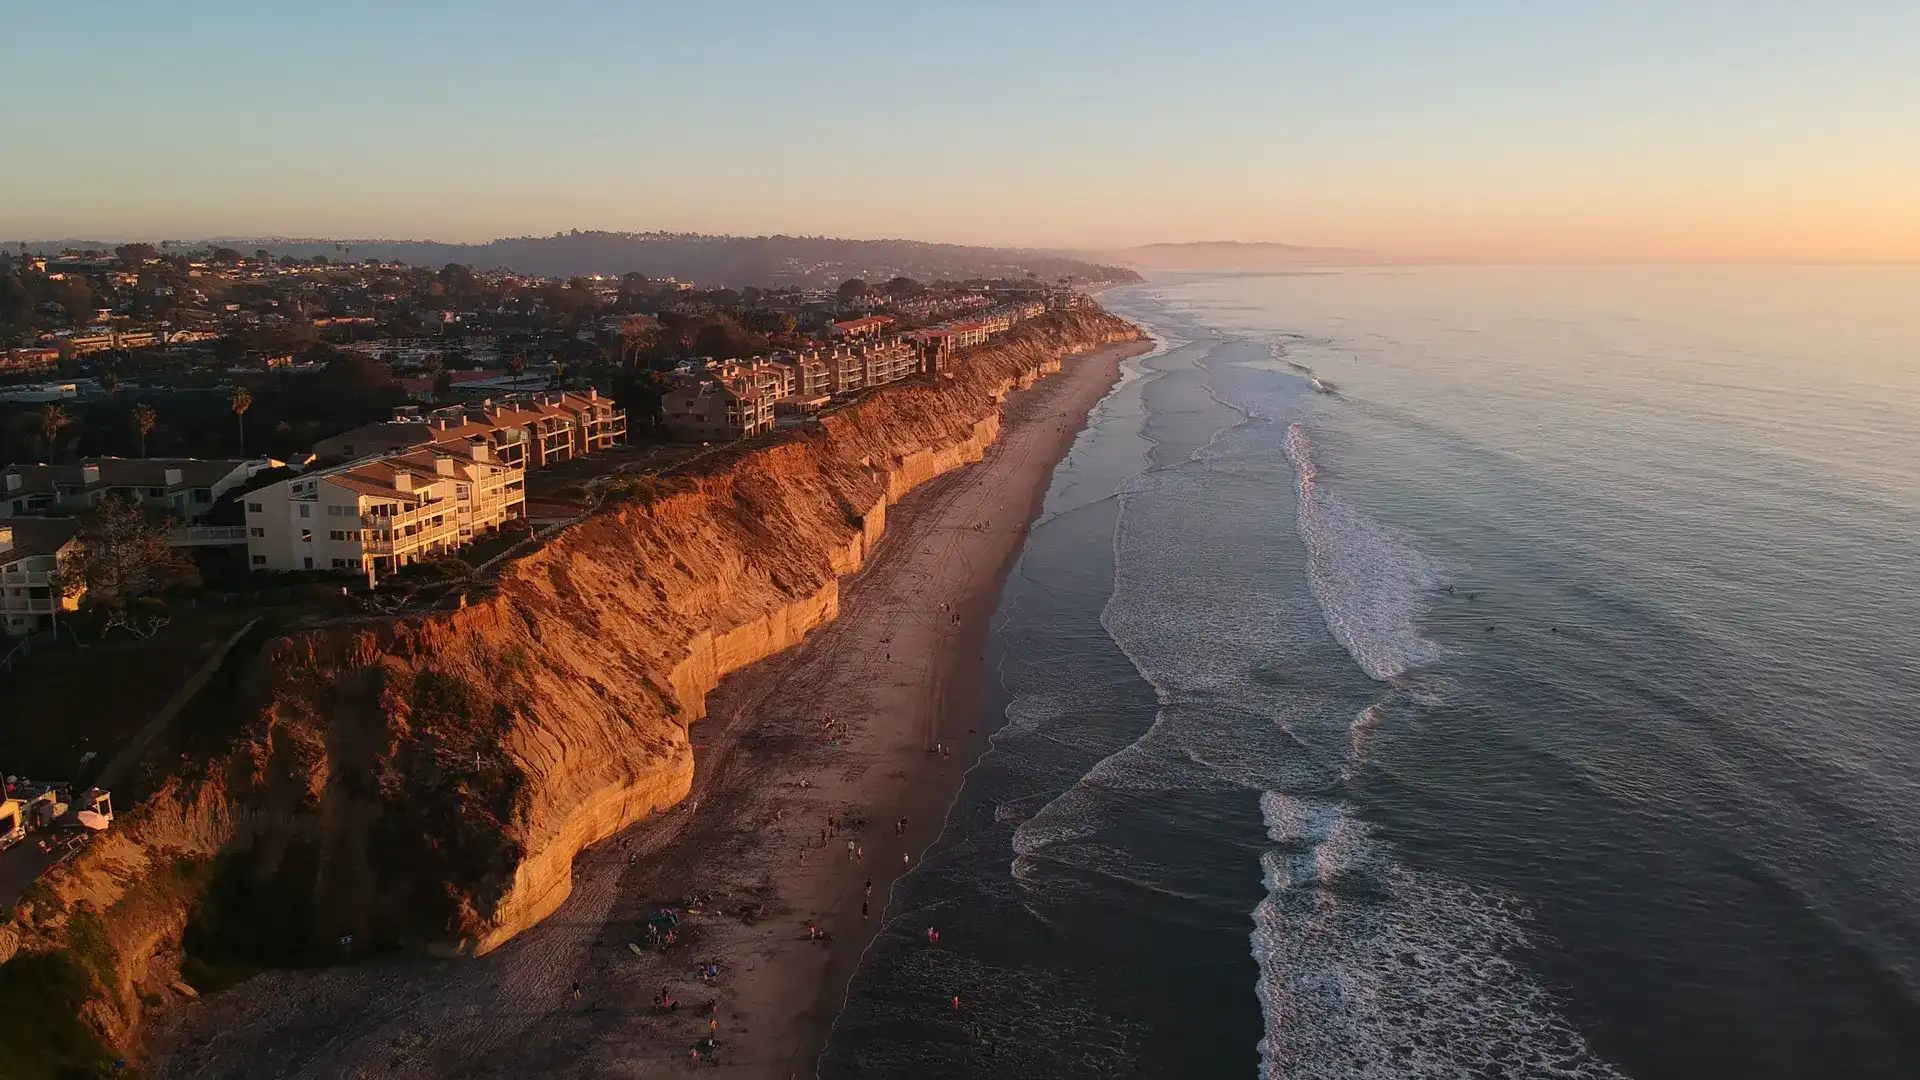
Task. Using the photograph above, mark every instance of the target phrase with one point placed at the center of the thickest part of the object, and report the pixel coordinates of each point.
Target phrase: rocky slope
(426, 781)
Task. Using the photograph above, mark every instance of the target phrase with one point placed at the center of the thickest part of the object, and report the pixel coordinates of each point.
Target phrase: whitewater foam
(1369, 969)
(1369, 581)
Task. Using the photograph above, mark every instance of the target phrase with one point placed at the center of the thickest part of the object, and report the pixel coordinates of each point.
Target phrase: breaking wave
(1367, 579)
(1368, 969)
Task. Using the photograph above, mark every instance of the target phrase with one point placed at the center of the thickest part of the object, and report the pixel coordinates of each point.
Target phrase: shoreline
(792, 997)
(568, 996)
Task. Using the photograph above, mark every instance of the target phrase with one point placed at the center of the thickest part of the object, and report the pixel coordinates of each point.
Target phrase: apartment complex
(380, 514)
(31, 553)
(534, 430)
(28, 361)
(937, 345)
(184, 487)
(736, 399)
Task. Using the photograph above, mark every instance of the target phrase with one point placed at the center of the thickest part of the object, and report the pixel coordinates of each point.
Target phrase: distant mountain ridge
(1234, 255)
(733, 261)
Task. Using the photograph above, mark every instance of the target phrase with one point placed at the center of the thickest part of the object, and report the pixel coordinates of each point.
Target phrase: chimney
(482, 452)
(175, 477)
(403, 481)
(6, 536)
(90, 474)
(443, 465)
(14, 480)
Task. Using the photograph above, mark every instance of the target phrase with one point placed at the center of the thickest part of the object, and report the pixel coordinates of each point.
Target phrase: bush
(41, 1036)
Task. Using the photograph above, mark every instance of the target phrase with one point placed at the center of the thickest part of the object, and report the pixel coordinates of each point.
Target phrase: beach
(843, 727)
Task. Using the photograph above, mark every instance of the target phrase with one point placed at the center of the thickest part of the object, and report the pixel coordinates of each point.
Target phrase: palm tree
(144, 418)
(110, 383)
(636, 333)
(52, 419)
(240, 399)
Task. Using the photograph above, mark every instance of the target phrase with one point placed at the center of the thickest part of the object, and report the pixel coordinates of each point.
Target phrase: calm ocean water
(1533, 696)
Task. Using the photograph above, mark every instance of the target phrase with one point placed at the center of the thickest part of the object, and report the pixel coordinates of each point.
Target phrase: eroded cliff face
(428, 780)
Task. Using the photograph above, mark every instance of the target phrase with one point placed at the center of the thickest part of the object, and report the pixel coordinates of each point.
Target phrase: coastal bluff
(425, 781)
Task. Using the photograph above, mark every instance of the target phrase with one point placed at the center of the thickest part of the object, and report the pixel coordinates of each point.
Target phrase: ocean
(1449, 671)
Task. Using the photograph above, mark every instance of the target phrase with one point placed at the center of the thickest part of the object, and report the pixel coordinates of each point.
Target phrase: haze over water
(1537, 697)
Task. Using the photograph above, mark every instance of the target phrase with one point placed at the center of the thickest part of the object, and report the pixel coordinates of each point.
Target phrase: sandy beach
(898, 673)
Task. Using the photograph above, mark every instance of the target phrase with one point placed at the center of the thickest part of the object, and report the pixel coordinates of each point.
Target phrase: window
(306, 510)
(257, 532)
(308, 563)
(259, 560)
(339, 564)
(156, 493)
(306, 536)
(255, 508)
(203, 495)
(336, 534)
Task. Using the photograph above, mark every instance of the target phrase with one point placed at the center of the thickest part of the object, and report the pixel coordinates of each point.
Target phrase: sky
(1532, 129)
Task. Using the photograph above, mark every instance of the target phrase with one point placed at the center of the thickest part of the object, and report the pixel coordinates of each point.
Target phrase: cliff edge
(426, 781)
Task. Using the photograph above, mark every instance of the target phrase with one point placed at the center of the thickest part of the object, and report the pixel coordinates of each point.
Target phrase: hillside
(424, 782)
(732, 261)
(1235, 255)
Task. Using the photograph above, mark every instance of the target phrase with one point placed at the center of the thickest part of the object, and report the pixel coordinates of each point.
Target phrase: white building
(31, 553)
(377, 515)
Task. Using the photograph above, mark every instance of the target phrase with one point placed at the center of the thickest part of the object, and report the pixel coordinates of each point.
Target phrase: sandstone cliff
(427, 780)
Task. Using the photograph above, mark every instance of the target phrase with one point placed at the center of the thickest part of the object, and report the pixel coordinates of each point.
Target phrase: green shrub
(41, 1036)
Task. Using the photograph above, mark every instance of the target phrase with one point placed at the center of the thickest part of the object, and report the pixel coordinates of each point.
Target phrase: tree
(109, 383)
(226, 256)
(515, 366)
(240, 399)
(144, 418)
(443, 385)
(767, 321)
(52, 419)
(123, 553)
(636, 336)
(132, 255)
(904, 288)
(724, 339)
(850, 290)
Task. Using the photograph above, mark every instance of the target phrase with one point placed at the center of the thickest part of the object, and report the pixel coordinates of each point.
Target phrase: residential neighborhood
(319, 418)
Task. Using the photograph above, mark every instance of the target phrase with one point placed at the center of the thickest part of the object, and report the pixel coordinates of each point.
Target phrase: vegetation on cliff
(426, 781)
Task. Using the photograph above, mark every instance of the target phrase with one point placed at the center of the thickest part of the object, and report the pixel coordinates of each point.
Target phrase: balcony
(207, 536)
(394, 542)
(27, 577)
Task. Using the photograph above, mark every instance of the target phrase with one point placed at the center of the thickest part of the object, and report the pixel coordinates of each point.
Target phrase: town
(207, 418)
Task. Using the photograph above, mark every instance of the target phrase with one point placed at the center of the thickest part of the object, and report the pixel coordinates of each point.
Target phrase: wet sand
(898, 672)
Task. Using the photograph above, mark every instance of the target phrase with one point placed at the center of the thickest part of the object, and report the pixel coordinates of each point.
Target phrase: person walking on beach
(850, 848)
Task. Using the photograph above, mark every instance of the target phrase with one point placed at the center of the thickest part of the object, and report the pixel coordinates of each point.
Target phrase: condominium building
(531, 429)
(717, 410)
(184, 487)
(380, 514)
(31, 592)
